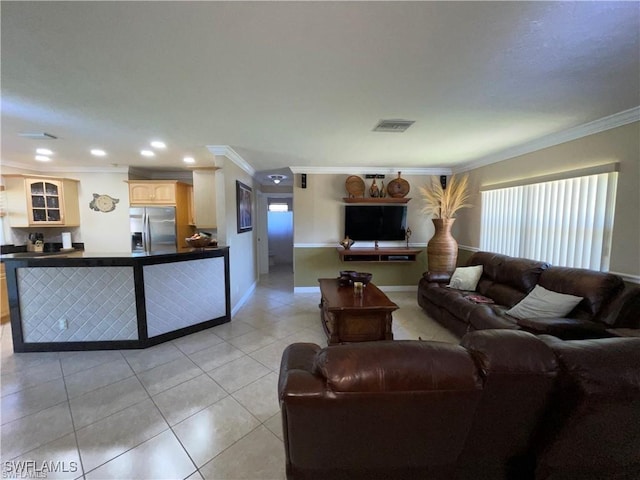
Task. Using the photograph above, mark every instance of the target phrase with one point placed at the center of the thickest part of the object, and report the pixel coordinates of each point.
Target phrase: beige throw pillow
(543, 303)
(466, 278)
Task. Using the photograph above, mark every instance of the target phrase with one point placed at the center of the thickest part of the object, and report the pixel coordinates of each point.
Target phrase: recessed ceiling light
(189, 160)
(43, 151)
(97, 152)
(158, 144)
(147, 153)
(43, 158)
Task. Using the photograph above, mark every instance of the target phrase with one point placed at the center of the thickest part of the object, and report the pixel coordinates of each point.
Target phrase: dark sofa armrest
(296, 372)
(624, 311)
(437, 277)
(564, 328)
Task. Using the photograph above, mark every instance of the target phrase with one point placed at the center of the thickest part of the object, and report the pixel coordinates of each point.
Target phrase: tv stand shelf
(391, 255)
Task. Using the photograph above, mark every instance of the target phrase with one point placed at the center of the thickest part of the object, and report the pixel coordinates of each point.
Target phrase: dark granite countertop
(59, 257)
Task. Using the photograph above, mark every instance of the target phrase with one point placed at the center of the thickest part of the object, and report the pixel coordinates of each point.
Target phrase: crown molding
(231, 154)
(601, 125)
(78, 169)
(373, 170)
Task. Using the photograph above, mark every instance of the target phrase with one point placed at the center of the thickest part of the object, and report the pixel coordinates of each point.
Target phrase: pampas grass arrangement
(445, 202)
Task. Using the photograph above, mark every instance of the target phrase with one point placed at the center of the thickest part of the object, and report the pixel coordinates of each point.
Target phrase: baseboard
(244, 299)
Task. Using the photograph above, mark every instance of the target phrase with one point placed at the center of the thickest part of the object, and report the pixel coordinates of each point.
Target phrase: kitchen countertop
(80, 254)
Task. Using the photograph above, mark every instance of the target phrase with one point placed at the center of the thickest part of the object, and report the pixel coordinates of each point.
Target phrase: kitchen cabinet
(204, 198)
(4, 297)
(192, 209)
(35, 201)
(153, 192)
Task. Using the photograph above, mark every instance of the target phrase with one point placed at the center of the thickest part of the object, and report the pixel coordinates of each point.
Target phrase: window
(278, 207)
(565, 222)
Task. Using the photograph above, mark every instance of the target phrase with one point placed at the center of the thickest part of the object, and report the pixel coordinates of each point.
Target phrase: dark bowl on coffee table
(363, 277)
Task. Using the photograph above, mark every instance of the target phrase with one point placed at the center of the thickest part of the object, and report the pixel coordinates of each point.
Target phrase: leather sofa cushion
(565, 328)
(598, 425)
(510, 352)
(401, 365)
(596, 288)
(520, 273)
(506, 280)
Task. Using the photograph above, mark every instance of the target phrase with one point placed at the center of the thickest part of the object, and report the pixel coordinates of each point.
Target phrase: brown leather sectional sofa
(607, 303)
(504, 404)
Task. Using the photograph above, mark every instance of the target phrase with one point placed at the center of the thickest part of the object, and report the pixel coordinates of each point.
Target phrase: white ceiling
(299, 84)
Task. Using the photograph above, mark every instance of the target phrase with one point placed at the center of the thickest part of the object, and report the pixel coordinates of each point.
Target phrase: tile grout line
(73, 425)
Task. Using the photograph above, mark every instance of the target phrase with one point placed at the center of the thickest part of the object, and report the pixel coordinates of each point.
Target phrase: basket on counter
(198, 242)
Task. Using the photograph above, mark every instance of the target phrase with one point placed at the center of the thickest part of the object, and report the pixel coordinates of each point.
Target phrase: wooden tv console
(378, 254)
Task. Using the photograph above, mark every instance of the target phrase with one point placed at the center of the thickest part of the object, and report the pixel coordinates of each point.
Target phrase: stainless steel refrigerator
(153, 229)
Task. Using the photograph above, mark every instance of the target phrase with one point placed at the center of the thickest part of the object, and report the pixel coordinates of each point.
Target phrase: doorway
(277, 251)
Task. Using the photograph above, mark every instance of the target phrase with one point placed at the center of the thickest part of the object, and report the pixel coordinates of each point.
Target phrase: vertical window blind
(565, 222)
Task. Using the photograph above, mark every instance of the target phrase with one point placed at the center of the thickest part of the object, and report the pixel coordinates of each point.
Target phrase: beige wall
(242, 246)
(318, 219)
(621, 144)
(323, 262)
(319, 209)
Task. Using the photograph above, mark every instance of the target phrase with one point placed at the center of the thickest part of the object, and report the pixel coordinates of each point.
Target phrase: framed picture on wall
(243, 202)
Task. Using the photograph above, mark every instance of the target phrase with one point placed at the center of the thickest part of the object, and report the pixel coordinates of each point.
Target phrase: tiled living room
(202, 406)
(524, 364)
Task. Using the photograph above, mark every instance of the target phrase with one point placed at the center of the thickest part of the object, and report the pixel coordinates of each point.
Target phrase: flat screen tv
(375, 222)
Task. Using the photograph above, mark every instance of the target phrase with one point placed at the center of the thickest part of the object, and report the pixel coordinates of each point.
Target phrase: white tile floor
(202, 406)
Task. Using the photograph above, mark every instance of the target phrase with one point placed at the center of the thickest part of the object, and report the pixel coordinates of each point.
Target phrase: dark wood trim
(141, 304)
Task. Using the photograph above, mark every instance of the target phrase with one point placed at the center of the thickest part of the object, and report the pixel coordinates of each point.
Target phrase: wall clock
(103, 203)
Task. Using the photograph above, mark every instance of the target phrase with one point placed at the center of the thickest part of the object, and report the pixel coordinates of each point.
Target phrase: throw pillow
(543, 303)
(466, 278)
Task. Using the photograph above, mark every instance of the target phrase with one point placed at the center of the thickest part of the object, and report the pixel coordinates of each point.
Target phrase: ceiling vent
(398, 126)
(38, 135)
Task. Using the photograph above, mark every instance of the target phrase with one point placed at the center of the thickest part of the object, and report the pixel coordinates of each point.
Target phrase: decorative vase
(442, 249)
(346, 243)
(383, 190)
(374, 191)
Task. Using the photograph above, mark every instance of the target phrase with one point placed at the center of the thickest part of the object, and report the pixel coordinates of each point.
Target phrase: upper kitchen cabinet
(154, 192)
(204, 198)
(35, 201)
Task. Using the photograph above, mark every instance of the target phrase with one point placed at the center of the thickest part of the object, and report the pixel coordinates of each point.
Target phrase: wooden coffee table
(348, 318)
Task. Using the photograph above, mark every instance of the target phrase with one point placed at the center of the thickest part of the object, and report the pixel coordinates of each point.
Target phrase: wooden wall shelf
(389, 255)
(375, 200)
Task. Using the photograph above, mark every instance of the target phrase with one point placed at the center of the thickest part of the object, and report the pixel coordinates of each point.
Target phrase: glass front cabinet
(44, 196)
(42, 202)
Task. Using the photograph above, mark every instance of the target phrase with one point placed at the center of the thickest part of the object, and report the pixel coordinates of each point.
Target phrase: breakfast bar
(92, 301)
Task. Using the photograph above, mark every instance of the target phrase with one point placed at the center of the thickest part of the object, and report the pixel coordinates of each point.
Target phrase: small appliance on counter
(35, 242)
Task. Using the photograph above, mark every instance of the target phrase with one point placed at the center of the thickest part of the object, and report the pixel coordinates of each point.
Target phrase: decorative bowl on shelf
(200, 242)
(363, 277)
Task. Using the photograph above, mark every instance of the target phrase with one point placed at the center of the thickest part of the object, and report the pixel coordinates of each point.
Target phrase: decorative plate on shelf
(355, 186)
(398, 188)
